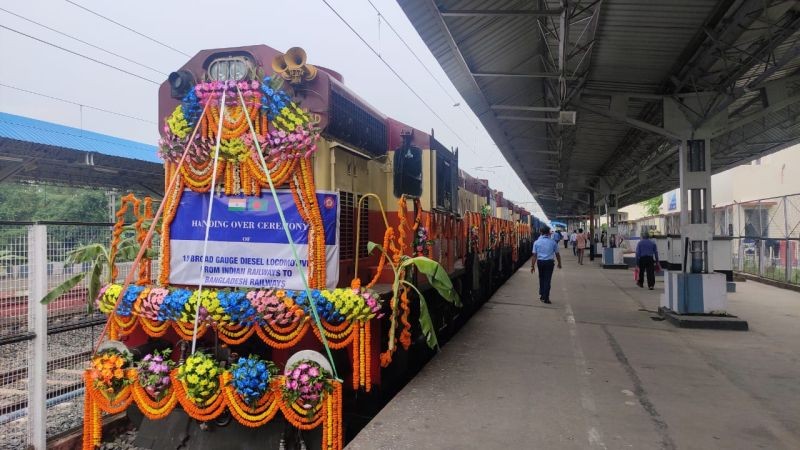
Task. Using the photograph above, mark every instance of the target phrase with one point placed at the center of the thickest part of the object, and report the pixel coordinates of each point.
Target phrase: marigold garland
(327, 414)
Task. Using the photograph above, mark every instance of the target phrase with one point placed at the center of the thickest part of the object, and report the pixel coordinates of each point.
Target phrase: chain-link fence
(766, 236)
(44, 350)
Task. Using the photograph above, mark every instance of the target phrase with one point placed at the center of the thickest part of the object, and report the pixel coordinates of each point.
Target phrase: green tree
(29, 203)
(652, 206)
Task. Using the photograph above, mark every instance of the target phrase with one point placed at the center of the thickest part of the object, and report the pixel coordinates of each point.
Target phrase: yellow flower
(192, 379)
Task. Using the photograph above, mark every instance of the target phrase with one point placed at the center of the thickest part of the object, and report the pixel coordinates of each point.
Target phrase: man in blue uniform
(646, 260)
(545, 255)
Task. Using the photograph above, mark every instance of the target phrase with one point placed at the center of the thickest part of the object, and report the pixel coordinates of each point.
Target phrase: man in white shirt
(572, 240)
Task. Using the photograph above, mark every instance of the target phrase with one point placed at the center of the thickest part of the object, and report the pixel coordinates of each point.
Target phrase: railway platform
(597, 369)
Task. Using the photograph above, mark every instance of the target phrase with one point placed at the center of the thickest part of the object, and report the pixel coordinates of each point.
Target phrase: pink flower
(313, 371)
(304, 378)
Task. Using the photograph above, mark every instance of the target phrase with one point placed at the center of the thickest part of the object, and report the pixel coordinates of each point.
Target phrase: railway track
(64, 381)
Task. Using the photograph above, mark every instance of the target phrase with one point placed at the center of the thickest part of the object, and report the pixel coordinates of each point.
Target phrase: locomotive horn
(310, 72)
(279, 64)
(295, 58)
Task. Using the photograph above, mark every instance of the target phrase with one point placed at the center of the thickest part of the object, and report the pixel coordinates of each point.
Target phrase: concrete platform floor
(593, 370)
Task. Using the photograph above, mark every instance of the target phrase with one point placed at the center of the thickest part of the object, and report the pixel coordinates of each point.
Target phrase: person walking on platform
(545, 255)
(573, 242)
(581, 243)
(557, 236)
(646, 260)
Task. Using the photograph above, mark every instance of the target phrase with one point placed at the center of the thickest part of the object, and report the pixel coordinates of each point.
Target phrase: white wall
(773, 175)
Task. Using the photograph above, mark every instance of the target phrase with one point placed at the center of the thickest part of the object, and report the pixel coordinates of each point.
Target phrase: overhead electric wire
(83, 42)
(424, 66)
(408, 47)
(389, 66)
(128, 28)
(78, 104)
(80, 54)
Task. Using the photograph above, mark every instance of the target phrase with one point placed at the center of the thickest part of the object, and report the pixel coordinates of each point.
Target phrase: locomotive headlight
(225, 69)
(180, 83)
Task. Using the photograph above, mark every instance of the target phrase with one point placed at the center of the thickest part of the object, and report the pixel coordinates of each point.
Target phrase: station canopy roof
(730, 66)
(37, 151)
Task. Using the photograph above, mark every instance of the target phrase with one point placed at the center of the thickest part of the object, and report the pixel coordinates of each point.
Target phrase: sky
(190, 26)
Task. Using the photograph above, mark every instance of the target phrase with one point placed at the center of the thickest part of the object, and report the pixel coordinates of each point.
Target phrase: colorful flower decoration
(300, 142)
(277, 308)
(154, 371)
(421, 241)
(191, 107)
(200, 376)
(177, 123)
(151, 304)
(273, 99)
(305, 383)
(474, 239)
(355, 304)
(173, 304)
(108, 371)
(325, 308)
(238, 307)
(124, 309)
(107, 298)
(233, 150)
(251, 377)
(291, 116)
(212, 91)
(210, 309)
(171, 148)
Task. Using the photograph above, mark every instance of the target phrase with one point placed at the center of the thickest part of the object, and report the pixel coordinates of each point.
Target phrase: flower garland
(277, 308)
(327, 412)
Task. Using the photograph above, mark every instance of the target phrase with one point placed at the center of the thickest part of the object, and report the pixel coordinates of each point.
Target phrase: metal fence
(766, 236)
(44, 349)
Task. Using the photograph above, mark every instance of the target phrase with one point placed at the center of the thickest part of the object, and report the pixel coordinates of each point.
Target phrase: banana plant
(99, 258)
(438, 279)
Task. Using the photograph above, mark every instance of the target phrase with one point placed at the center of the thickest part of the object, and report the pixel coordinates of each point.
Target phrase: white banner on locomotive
(247, 246)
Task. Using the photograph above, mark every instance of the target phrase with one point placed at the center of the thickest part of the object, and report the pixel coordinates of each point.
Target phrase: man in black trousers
(646, 260)
(545, 255)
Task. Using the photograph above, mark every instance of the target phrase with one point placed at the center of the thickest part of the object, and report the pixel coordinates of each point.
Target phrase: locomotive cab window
(446, 177)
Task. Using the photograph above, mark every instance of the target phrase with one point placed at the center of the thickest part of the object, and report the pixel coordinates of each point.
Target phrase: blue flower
(126, 304)
(173, 304)
(250, 378)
